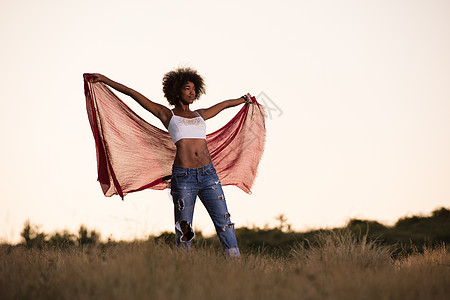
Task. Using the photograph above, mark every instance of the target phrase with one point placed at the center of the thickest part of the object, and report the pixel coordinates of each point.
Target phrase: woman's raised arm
(210, 112)
(160, 111)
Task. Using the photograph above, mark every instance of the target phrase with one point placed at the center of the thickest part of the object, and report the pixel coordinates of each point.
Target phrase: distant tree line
(408, 234)
(34, 238)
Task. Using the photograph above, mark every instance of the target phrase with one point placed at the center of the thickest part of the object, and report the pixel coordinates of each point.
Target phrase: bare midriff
(192, 153)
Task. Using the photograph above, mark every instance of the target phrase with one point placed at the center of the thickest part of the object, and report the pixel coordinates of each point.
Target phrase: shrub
(32, 236)
(86, 237)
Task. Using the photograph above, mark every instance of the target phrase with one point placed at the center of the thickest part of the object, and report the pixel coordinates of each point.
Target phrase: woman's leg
(184, 193)
(212, 196)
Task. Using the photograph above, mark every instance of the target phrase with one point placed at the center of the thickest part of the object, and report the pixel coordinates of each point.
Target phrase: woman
(193, 173)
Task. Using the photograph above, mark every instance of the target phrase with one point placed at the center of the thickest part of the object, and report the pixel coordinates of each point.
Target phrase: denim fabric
(186, 184)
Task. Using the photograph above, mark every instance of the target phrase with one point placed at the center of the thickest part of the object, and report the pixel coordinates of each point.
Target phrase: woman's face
(187, 95)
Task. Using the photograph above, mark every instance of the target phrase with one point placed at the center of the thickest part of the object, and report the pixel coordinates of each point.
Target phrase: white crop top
(187, 128)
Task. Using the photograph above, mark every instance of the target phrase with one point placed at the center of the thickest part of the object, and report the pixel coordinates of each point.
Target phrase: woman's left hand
(249, 98)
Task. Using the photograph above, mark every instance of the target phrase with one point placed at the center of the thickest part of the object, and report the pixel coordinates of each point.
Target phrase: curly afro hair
(174, 80)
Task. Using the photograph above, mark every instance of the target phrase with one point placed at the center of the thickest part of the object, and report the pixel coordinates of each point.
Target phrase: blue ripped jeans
(186, 184)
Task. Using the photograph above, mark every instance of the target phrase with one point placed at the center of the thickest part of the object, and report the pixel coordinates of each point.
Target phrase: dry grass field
(336, 266)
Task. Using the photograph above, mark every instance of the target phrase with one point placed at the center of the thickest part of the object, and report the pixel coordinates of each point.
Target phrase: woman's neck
(182, 107)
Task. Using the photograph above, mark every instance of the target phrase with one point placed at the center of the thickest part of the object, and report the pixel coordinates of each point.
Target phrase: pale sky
(359, 95)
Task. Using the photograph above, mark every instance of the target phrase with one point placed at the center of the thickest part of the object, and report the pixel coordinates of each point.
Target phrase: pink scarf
(133, 155)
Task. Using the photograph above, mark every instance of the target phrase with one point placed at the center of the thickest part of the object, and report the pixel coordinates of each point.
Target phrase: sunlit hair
(174, 80)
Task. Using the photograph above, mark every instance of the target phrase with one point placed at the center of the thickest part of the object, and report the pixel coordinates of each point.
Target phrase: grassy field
(336, 265)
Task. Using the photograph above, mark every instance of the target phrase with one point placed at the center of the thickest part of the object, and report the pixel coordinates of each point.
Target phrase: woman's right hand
(97, 77)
